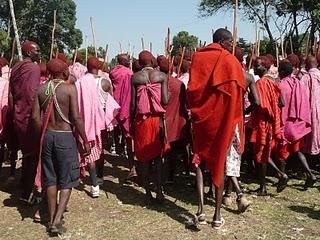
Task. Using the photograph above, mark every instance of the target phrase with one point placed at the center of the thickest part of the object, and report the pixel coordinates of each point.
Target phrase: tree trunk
(14, 23)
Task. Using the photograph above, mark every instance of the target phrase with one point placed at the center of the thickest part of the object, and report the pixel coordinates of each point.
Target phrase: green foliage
(35, 22)
(242, 43)
(183, 39)
(4, 42)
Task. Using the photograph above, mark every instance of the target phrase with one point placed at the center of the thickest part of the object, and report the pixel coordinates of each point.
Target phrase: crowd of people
(205, 109)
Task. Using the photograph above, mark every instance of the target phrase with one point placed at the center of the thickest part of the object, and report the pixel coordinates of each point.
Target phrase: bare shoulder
(158, 76)
(138, 78)
(249, 77)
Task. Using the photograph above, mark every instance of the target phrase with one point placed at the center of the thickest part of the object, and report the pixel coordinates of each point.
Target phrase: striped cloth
(96, 149)
(266, 119)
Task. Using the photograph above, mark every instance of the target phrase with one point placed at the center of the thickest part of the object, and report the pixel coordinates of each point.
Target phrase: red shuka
(215, 96)
(266, 120)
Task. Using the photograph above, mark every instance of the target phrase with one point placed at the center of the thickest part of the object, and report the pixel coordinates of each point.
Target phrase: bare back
(66, 95)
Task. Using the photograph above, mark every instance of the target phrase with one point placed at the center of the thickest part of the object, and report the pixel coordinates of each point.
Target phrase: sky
(127, 21)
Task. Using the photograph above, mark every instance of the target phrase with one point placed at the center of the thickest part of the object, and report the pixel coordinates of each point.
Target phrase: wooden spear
(120, 47)
(94, 37)
(181, 60)
(86, 46)
(53, 32)
(168, 42)
(13, 50)
(258, 47)
(307, 47)
(235, 26)
(142, 44)
(277, 54)
(150, 48)
(285, 48)
(75, 56)
(15, 28)
(291, 45)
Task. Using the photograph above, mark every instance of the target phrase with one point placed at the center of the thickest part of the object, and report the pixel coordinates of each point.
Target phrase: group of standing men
(61, 124)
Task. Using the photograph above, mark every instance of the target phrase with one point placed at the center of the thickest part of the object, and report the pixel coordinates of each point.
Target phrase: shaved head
(123, 59)
(31, 50)
(224, 38)
(146, 59)
(311, 62)
(58, 69)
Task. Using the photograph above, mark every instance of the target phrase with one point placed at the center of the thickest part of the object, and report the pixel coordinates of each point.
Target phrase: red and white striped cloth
(96, 150)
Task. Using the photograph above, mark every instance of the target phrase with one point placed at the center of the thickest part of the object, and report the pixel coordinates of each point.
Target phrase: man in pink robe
(24, 82)
(93, 117)
(121, 77)
(296, 118)
(312, 80)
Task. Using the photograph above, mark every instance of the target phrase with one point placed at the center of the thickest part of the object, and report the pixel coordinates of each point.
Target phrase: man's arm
(106, 86)
(133, 97)
(76, 118)
(36, 115)
(253, 90)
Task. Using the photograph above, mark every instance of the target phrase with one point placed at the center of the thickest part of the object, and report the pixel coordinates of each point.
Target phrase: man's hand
(87, 149)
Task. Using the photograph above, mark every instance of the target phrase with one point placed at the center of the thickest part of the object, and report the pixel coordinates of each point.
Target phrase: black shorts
(60, 164)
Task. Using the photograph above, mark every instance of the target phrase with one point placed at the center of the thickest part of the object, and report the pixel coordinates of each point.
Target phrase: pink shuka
(111, 111)
(295, 114)
(6, 72)
(4, 93)
(312, 81)
(121, 78)
(78, 70)
(149, 99)
(92, 114)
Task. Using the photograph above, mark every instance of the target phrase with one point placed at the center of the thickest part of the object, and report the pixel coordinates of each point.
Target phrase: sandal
(199, 219)
(217, 224)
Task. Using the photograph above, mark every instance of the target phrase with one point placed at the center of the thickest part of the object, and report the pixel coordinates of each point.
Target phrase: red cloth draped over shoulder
(215, 96)
(266, 119)
(24, 82)
(176, 112)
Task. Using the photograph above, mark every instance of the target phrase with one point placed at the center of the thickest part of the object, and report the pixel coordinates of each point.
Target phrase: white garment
(233, 161)
(185, 79)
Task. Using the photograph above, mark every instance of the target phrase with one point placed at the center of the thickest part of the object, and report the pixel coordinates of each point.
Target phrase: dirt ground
(119, 213)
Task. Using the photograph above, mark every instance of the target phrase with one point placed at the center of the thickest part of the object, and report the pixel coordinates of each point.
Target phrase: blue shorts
(60, 164)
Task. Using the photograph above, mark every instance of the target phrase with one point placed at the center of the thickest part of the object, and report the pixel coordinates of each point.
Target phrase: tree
(254, 10)
(183, 39)
(242, 43)
(35, 20)
(4, 42)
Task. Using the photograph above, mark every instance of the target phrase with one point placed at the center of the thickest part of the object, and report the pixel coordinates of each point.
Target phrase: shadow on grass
(306, 210)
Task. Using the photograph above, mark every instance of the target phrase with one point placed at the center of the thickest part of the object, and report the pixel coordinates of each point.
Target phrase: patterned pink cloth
(111, 111)
(149, 99)
(312, 80)
(6, 72)
(121, 78)
(78, 70)
(295, 114)
(89, 107)
(273, 71)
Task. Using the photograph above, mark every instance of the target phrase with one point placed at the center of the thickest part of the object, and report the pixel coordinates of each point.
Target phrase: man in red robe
(24, 82)
(176, 118)
(215, 96)
(149, 95)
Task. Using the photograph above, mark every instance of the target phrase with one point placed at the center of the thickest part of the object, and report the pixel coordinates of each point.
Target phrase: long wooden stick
(251, 57)
(120, 47)
(13, 50)
(235, 26)
(277, 54)
(86, 46)
(291, 45)
(285, 49)
(168, 43)
(142, 44)
(75, 56)
(181, 60)
(15, 28)
(258, 47)
(94, 37)
(53, 32)
(150, 48)
(106, 55)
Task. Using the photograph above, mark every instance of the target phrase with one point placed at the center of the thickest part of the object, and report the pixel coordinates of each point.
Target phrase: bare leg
(63, 202)
(263, 172)
(158, 178)
(279, 172)
(145, 180)
(199, 179)
(235, 183)
(305, 165)
(229, 186)
(218, 202)
(52, 202)
(93, 174)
